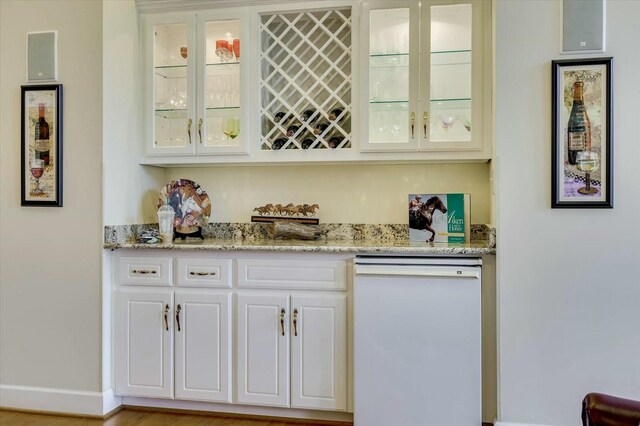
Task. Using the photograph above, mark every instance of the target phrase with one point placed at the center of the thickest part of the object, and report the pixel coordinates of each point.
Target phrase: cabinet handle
(413, 122)
(189, 123)
(178, 309)
(282, 314)
(202, 274)
(200, 129)
(166, 319)
(142, 271)
(295, 322)
(425, 119)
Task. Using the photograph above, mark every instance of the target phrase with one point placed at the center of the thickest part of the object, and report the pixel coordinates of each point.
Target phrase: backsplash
(331, 231)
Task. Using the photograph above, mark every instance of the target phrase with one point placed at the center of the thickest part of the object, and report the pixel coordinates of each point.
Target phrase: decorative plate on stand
(190, 203)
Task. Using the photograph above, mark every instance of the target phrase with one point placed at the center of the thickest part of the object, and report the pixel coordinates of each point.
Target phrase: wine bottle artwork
(42, 142)
(579, 126)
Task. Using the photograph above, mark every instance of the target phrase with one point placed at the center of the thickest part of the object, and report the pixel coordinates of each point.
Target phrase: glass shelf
(219, 64)
(386, 55)
(172, 113)
(440, 52)
(223, 108)
(388, 102)
(171, 71)
(389, 61)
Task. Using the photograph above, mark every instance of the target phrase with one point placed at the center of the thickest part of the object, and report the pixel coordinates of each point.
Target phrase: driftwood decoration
(292, 230)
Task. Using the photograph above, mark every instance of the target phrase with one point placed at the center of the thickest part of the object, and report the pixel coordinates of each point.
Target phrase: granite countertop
(390, 239)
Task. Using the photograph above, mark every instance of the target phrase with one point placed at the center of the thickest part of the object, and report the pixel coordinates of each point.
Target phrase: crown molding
(179, 5)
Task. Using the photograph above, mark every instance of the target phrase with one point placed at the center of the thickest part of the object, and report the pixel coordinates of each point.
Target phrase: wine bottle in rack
(281, 117)
(320, 127)
(307, 114)
(335, 113)
(307, 140)
(579, 126)
(293, 127)
(278, 143)
(42, 142)
(335, 140)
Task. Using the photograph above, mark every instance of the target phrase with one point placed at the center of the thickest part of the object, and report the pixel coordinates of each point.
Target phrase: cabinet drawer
(303, 274)
(203, 272)
(145, 271)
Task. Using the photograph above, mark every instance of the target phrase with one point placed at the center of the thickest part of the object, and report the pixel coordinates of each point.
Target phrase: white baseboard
(238, 409)
(517, 424)
(58, 400)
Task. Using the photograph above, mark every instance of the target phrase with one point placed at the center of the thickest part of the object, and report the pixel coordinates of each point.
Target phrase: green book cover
(440, 218)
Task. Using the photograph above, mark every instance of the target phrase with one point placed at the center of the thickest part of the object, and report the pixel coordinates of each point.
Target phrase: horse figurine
(309, 209)
(421, 216)
(262, 210)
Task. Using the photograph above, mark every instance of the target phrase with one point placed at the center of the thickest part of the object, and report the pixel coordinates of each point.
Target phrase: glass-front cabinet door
(422, 66)
(169, 83)
(191, 82)
(221, 123)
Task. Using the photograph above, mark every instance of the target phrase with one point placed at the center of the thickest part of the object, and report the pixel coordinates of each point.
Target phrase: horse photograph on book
(441, 218)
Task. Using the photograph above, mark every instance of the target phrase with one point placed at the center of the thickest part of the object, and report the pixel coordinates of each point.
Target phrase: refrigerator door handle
(422, 271)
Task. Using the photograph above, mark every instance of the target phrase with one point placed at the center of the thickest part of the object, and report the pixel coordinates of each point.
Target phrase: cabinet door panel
(144, 344)
(263, 349)
(319, 352)
(202, 346)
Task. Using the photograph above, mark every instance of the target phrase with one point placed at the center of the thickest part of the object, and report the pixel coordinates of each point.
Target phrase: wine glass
(229, 127)
(235, 128)
(447, 121)
(466, 122)
(37, 170)
(236, 48)
(587, 162)
(222, 50)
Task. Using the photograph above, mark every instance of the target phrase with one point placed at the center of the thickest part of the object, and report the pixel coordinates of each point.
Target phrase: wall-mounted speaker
(42, 56)
(583, 26)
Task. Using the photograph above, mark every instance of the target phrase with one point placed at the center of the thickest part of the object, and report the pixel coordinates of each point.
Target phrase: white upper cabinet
(422, 68)
(192, 80)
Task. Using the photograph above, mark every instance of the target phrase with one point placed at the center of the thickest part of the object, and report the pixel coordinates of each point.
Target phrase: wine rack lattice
(305, 62)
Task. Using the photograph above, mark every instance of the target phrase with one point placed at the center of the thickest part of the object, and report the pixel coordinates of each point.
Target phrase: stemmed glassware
(587, 162)
(37, 170)
(447, 121)
(231, 127)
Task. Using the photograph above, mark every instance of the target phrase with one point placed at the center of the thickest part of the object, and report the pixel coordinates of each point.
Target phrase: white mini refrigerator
(417, 341)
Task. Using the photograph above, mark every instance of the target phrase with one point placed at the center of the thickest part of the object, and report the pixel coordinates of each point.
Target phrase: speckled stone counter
(336, 238)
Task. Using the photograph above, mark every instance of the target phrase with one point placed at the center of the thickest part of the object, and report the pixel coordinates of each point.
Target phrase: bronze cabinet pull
(166, 319)
(413, 122)
(282, 314)
(178, 309)
(425, 119)
(202, 274)
(295, 322)
(142, 271)
(189, 123)
(200, 129)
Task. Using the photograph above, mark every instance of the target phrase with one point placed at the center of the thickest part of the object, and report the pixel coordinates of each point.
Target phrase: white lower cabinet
(282, 342)
(315, 328)
(148, 322)
(144, 343)
(202, 330)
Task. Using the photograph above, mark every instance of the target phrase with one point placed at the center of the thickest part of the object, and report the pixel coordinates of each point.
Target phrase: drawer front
(292, 274)
(145, 271)
(203, 272)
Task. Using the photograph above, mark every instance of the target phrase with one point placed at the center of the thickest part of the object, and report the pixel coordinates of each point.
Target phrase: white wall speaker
(583, 26)
(42, 56)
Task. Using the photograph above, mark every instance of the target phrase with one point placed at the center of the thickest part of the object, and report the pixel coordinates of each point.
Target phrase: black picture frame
(569, 188)
(45, 190)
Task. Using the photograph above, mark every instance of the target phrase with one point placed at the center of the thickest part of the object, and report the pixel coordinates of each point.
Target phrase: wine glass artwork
(587, 162)
(37, 170)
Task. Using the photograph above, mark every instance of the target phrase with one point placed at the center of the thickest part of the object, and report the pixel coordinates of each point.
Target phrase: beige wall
(569, 292)
(50, 257)
(345, 193)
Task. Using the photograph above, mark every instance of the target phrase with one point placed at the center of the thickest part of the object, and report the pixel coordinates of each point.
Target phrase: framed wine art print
(41, 170)
(581, 151)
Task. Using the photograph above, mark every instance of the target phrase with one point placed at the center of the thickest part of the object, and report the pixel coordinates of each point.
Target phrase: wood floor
(130, 417)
